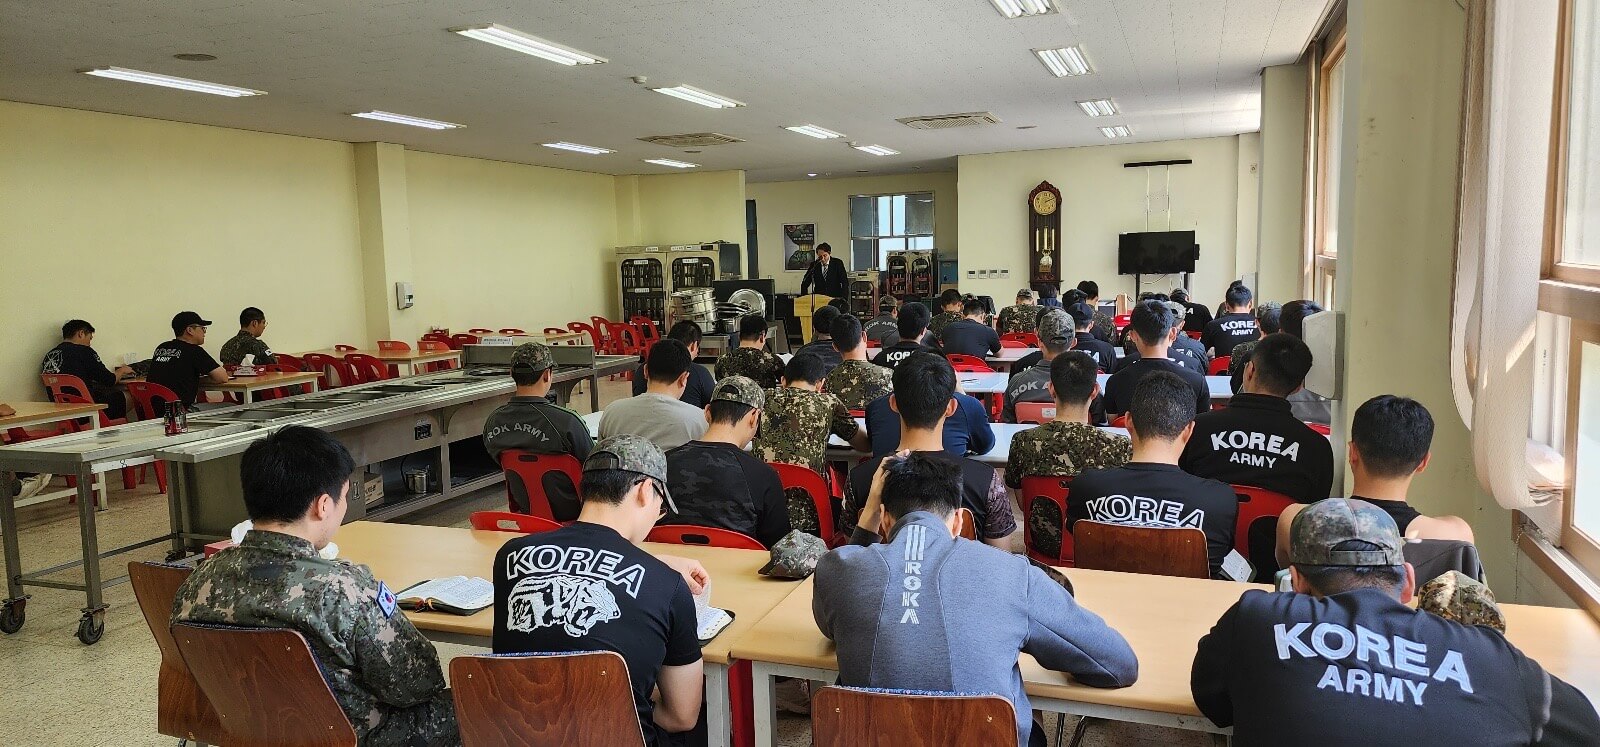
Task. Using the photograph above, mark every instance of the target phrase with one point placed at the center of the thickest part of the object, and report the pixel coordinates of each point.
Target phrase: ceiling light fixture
(1116, 131)
(876, 150)
(579, 148)
(672, 163)
(517, 41)
(811, 130)
(812, 173)
(171, 81)
(696, 96)
(1020, 8)
(1099, 107)
(391, 117)
(1064, 61)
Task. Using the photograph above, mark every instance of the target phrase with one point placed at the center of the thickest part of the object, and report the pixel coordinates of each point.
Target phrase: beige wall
(1280, 263)
(690, 208)
(826, 202)
(124, 221)
(1248, 211)
(1100, 199)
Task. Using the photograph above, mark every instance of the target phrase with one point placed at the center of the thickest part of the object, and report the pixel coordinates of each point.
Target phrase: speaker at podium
(805, 306)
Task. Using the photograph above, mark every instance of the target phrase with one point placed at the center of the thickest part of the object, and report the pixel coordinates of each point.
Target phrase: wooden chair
(686, 534)
(526, 473)
(265, 685)
(1158, 551)
(505, 521)
(1036, 412)
(848, 716)
(182, 711)
(568, 699)
(967, 528)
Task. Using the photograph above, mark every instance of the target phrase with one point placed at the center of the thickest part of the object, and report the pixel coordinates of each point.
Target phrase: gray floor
(56, 691)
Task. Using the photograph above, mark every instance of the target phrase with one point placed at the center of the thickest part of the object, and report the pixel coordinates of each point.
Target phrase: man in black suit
(827, 274)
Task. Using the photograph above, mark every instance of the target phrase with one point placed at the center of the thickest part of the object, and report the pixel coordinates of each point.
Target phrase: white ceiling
(1177, 68)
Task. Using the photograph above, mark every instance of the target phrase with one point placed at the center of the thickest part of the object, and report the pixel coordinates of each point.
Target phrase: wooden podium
(804, 307)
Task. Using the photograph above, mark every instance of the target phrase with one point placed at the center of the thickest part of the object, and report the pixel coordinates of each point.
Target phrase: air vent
(946, 121)
(692, 140)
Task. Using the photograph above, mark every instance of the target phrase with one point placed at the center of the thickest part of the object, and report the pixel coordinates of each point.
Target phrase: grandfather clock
(1044, 232)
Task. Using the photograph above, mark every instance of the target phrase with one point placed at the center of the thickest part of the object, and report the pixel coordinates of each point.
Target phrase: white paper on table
(1235, 567)
(709, 621)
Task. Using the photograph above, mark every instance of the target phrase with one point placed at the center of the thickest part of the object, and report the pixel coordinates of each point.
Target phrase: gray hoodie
(927, 611)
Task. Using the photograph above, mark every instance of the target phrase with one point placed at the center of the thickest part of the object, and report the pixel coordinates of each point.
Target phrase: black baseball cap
(1081, 313)
(186, 319)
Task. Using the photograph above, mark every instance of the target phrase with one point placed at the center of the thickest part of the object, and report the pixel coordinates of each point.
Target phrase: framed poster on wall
(798, 242)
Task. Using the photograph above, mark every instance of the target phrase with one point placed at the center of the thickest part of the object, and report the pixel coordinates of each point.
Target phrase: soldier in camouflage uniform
(1021, 318)
(949, 311)
(856, 381)
(795, 427)
(252, 324)
(384, 674)
(751, 359)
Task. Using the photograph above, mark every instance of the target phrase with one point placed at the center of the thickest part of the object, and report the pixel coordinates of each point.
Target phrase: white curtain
(1505, 151)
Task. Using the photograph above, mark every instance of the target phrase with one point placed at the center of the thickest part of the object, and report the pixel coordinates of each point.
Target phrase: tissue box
(372, 488)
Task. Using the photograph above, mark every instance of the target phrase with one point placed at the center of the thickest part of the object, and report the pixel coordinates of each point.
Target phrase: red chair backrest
(433, 346)
(511, 331)
(594, 334)
(1320, 428)
(525, 474)
(1194, 335)
(648, 333)
(345, 348)
(1051, 490)
(463, 339)
(1028, 339)
(958, 359)
(506, 521)
(289, 362)
(397, 345)
(1017, 344)
(624, 339)
(66, 389)
(150, 400)
(280, 392)
(803, 478)
(324, 363)
(1120, 421)
(481, 331)
(437, 337)
(971, 368)
(367, 368)
(684, 534)
(1219, 365)
(1036, 412)
(1121, 320)
(1264, 506)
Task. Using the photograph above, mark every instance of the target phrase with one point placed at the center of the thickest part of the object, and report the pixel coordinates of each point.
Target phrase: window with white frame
(880, 224)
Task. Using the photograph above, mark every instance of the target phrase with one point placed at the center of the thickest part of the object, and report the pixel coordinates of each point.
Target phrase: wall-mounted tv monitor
(1156, 252)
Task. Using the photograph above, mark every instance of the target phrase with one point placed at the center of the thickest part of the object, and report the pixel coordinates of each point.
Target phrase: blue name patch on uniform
(386, 600)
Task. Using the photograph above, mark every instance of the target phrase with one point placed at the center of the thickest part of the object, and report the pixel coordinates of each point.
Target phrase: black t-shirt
(1158, 495)
(1196, 317)
(82, 361)
(178, 365)
(976, 477)
(823, 349)
(1361, 668)
(1105, 356)
(722, 485)
(697, 393)
(1185, 350)
(1228, 330)
(891, 356)
(968, 337)
(1257, 441)
(1400, 511)
(1119, 388)
(584, 588)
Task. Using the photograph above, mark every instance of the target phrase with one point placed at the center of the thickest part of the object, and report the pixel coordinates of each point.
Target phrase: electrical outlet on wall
(972, 273)
(1005, 273)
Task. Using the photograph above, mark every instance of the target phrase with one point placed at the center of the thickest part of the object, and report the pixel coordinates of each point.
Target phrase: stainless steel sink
(345, 398)
(390, 389)
(251, 416)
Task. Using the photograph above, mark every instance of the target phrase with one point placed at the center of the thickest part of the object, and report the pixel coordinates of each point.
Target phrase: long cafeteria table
(412, 360)
(403, 554)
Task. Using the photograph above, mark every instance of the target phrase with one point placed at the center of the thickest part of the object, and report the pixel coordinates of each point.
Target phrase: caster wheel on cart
(91, 627)
(13, 615)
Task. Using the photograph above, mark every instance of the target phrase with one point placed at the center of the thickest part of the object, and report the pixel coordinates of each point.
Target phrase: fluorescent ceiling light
(696, 96)
(1020, 8)
(821, 133)
(432, 124)
(1116, 131)
(813, 173)
(1099, 107)
(578, 148)
(672, 163)
(1064, 61)
(876, 150)
(517, 41)
(169, 81)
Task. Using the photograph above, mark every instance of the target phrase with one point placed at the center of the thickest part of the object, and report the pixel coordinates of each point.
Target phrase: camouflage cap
(1026, 294)
(532, 356)
(631, 453)
(795, 556)
(1462, 598)
(1055, 325)
(741, 389)
(1317, 532)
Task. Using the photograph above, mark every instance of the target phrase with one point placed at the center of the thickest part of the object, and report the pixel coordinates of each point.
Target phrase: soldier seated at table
(856, 380)
(970, 335)
(949, 311)
(884, 328)
(180, 364)
(588, 586)
(971, 610)
(1342, 659)
(75, 356)
(1153, 330)
(385, 675)
(751, 359)
(716, 483)
(821, 344)
(795, 426)
(530, 422)
(698, 390)
(252, 324)
(1032, 383)
(660, 414)
(1020, 318)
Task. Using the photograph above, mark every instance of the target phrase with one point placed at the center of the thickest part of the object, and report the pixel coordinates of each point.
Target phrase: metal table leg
(93, 623)
(13, 610)
(594, 392)
(718, 711)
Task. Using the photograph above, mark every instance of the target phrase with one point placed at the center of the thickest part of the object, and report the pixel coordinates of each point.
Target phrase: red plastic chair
(512, 331)
(685, 534)
(1054, 490)
(150, 402)
(559, 331)
(971, 368)
(345, 348)
(958, 359)
(648, 332)
(1120, 421)
(395, 345)
(1194, 335)
(1219, 365)
(1015, 344)
(802, 477)
(282, 391)
(1259, 505)
(1036, 412)
(1121, 320)
(1320, 428)
(367, 368)
(334, 372)
(434, 346)
(462, 340)
(1028, 339)
(288, 362)
(66, 389)
(594, 334)
(437, 337)
(505, 521)
(525, 473)
(481, 331)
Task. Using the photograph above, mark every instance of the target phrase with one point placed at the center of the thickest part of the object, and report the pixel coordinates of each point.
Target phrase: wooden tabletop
(1163, 619)
(261, 381)
(34, 413)
(403, 554)
(393, 356)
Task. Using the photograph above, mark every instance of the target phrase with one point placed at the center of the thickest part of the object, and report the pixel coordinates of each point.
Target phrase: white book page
(456, 591)
(1235, 567)
(708, 620)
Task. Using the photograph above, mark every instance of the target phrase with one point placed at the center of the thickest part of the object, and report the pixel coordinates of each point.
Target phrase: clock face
(1044, 203)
